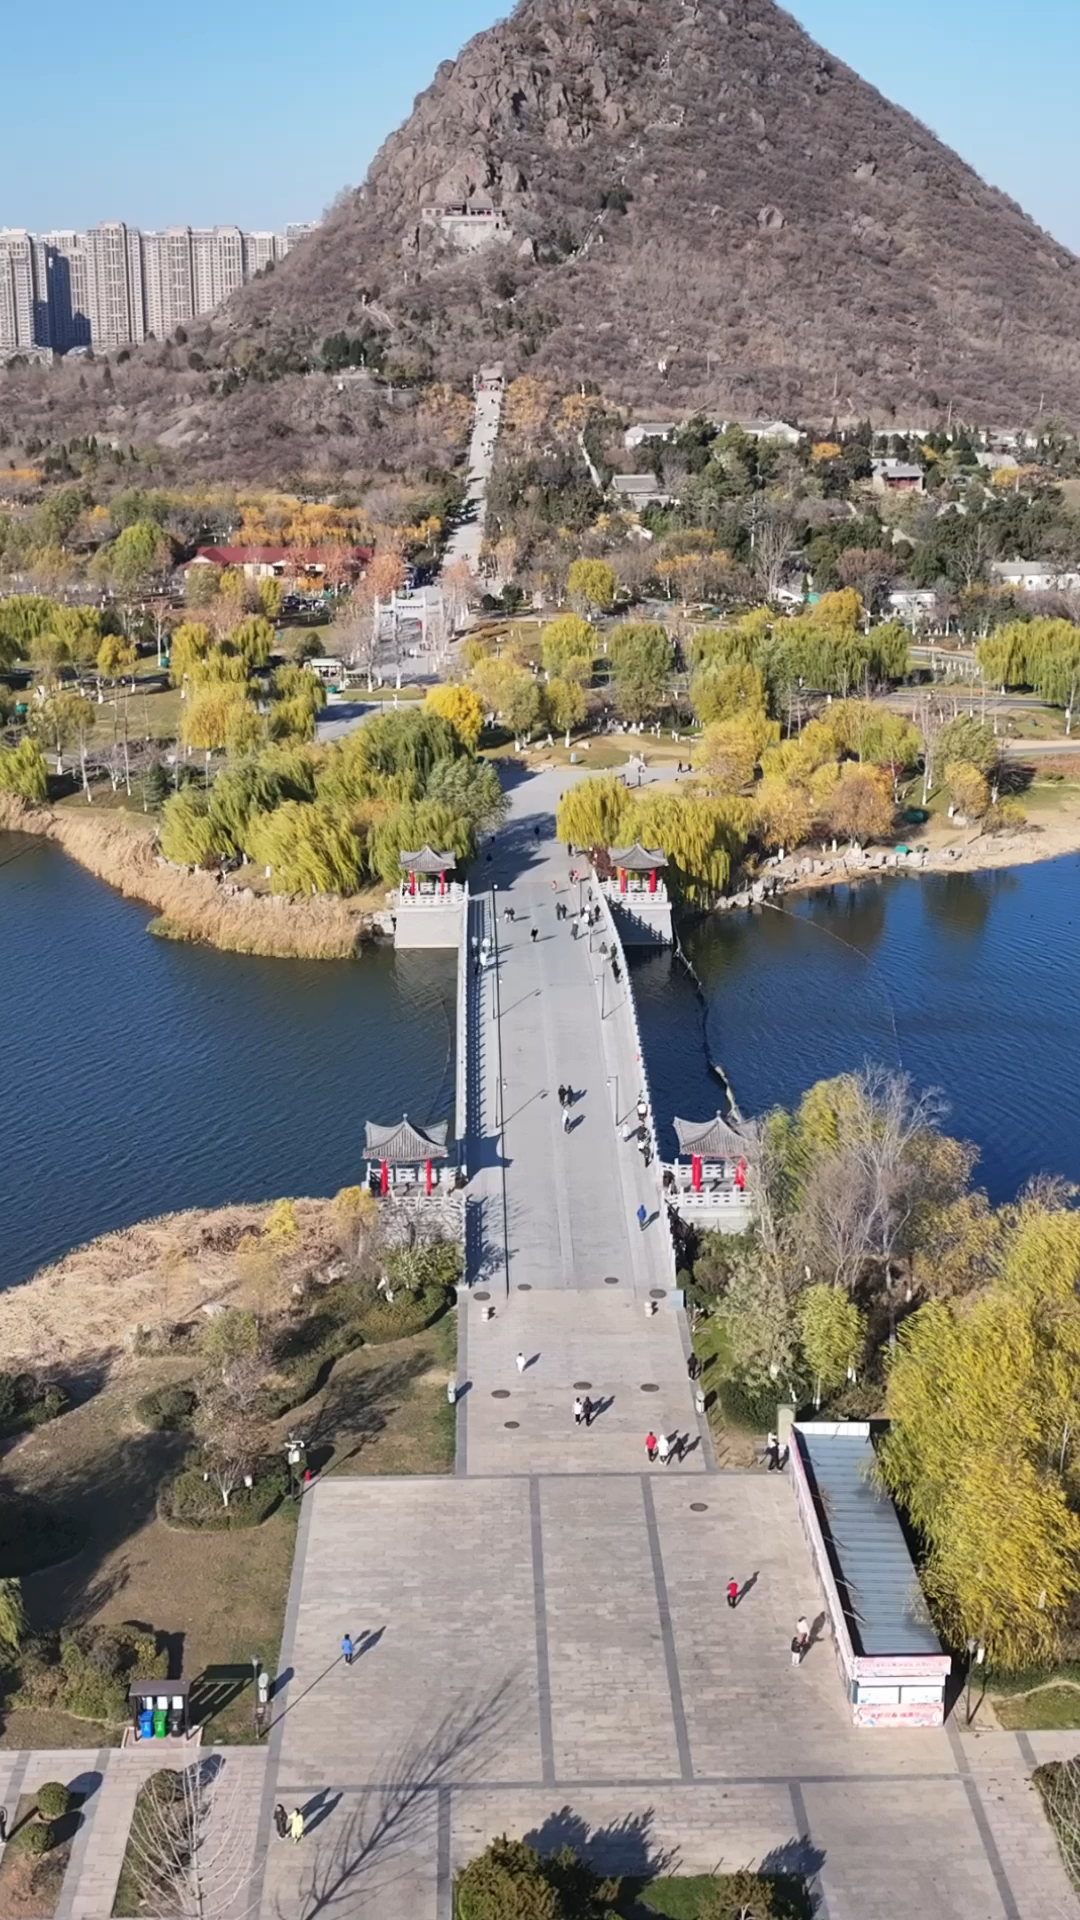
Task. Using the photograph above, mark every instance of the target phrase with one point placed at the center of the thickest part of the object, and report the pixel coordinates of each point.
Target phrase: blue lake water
(969, 982)
(141, 1075)
(138, 1075)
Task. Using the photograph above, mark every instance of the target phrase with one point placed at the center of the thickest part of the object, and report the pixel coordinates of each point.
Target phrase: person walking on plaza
(663, 1448)
(650, 1446)
(772, 1452)
(296, 1824)
(532, 935)
(587, 1411)
(801, 1643)
(643, 1217)
(347, 1648)
(562, 1096)
(693, 1367)
(579, 1411)
(521, 1363)
(567, 1121)
(281, 1821)
(733, 1593)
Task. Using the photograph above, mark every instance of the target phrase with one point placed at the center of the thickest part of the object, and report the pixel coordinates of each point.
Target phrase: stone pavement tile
(635, 1829)
(440, 1573)
(611, 1707)
(601, 1336)
(905, 1854)
(372, 1854)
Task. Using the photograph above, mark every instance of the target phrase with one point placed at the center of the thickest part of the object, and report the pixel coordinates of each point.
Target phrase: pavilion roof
(717, 1139)
(405, 1142)
(638, 859)
(427, 861)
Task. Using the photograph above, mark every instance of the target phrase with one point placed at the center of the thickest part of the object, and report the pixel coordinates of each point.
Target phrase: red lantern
(695, 1172)
(384, 1177)
(427, 1176)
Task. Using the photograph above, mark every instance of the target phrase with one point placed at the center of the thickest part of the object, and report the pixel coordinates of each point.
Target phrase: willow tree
(984, 1404)
(833, 1333)
(306, 848)
(591, 813)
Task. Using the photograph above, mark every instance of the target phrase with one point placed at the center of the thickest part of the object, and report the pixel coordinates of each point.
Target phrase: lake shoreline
(194, 906)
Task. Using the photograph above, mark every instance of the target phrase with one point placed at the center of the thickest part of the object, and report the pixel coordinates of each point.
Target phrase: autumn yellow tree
(591, 813)
(591, 584)
(968, 788)
(565, 702)
(464, 709)
(568, 645)
(729, 750)
(984, 1409)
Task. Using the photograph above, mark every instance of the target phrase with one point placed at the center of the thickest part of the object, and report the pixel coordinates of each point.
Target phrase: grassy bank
(128, 1323)
(122, 850)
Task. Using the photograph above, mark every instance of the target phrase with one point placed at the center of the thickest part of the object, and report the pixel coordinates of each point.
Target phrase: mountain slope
(692, 182)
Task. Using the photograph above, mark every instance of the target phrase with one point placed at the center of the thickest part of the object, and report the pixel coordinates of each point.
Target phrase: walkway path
(466, 539)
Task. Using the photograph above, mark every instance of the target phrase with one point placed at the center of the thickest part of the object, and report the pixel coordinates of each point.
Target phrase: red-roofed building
(284, 563)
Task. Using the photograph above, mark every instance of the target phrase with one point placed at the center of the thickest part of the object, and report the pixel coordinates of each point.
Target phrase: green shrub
(189, 1501)
(28, 1401)
(88, 1670)
(53, 1800)
(408, 1313)
(167, 1409)
(510, 1881)
(38, 1839)
(750, 1406)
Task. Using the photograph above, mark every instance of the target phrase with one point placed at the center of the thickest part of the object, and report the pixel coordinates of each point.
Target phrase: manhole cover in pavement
(657, 1293)
(500, 1393)
(650, 1386)
(611, 1280)
(481, 1296)
(512, 1423)
(699, 1506)
(524, 1286)
(582, 1385)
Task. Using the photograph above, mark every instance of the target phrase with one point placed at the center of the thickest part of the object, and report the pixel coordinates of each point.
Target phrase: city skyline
(114, 285)
(1000, 97)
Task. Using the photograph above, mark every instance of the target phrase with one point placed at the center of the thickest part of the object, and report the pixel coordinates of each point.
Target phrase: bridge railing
(626, 1007)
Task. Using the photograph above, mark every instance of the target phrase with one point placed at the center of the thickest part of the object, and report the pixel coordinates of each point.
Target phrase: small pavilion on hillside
(399, 1157)
(638, 869)
(420, 872)
(718, 1151)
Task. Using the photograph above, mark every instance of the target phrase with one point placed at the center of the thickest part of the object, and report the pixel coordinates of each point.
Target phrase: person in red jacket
(650, 1445)
(733, 1593)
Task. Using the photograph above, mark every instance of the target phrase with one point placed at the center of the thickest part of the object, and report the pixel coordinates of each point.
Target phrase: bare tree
(889, 1119)
(835, 1219)
(773, 543)
(189, 1845)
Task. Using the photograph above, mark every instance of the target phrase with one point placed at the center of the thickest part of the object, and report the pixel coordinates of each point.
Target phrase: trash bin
(176, 1719)
(161, 1722)
(146, 1724)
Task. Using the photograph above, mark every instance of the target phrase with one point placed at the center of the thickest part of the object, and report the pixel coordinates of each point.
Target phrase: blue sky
(261, 114)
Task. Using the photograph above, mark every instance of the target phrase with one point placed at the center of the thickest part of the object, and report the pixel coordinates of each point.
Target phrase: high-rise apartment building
(114, 285)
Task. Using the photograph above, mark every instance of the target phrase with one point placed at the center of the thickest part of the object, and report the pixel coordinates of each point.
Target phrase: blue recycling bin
(146, 1723)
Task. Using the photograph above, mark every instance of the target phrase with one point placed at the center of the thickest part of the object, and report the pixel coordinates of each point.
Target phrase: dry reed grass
(157, 1274)
(123, 851)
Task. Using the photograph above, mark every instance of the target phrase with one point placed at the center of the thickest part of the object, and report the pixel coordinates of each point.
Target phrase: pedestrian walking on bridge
(347, 1649)
(296, 1825)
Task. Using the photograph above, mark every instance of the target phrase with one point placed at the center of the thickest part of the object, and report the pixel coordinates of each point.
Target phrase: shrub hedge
(167, 1409)
(190, 1502)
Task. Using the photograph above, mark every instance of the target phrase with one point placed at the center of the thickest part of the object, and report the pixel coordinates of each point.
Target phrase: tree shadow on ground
(356, 1406)
(623, 1848)
(399, 1815)
(109, 1498)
